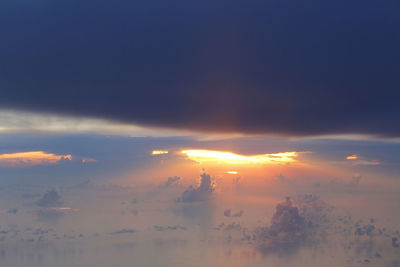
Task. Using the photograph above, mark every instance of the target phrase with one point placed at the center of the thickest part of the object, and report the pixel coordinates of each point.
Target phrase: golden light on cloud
(358, 160)
(213, 156)
(159, 152)
(86, 160)
(31, 158)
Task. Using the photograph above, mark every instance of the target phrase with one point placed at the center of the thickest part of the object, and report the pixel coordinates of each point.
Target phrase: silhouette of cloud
(200, 193)
(13, 211)
(50, 199)
(166, 228)
(124, 231)
(228, 213)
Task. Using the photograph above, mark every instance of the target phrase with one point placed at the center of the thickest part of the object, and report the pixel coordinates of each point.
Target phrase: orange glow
(352, 157)
(159, 152)
(212, 156)
(232, 172)
(86, 160)
(31, 158)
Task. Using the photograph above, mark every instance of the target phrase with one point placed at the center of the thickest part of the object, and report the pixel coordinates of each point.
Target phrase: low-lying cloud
(31, 158)
(200, 193)
(50, 199)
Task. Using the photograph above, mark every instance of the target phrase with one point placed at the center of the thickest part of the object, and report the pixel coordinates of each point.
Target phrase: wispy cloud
(159, 152)
(358, 160)
(31, 158)
(352, 157)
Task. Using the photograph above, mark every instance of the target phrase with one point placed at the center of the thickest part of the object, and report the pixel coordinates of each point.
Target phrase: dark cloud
(228, 213)
(200, 193)
(395, 243)
(50, 199)
(289, 230)
(308, 223)
(124, 231)
(297, 68)
(166, 228)
(13, 211)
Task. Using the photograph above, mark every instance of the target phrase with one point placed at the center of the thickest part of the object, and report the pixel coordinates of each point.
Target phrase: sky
(178, 133)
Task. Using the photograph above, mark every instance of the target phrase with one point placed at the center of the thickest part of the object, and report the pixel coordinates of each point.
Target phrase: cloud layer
(202, 192)
(274, 67)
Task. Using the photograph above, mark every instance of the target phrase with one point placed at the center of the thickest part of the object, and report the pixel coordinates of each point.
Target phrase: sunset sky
(184, 133)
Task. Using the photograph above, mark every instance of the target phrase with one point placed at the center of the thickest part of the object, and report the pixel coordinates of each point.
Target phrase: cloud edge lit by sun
(226, 157)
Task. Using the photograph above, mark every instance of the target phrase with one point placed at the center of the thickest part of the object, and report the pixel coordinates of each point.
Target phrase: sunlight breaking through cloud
(31, 158)
(203, 155)
(159, 152)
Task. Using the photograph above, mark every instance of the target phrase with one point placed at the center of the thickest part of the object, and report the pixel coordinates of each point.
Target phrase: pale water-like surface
(116, 226)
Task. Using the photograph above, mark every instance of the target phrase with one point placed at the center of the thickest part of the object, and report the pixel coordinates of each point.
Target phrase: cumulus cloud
(200, 193)
(307, 222)
(288, 231)
(50, 199)
(228, 213)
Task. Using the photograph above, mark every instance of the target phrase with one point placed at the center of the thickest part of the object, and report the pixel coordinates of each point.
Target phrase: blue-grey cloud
(200, 193)
(13, 211)
(228, 213)
(315, 67)
(50, 199)
(169, 227)
(124, 231)
(307, 222)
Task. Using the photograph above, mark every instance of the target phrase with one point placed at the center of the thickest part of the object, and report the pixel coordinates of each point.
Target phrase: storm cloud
(278, 67)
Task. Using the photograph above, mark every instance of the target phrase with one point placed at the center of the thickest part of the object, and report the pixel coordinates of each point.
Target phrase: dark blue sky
(281, 67)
